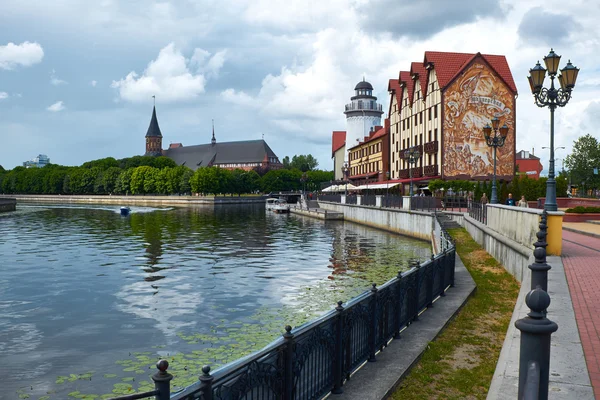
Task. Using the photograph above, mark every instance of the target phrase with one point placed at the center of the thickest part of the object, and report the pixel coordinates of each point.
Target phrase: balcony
(417, 172)
(364, 106)
(430, 170)
(419, 148)
(431, 147)
(404, 174)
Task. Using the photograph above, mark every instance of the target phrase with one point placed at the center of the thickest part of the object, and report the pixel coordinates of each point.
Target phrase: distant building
(246, 154)
(369, 160)
(363, 114)
(529, 164)
(440, 107)
(40, 161)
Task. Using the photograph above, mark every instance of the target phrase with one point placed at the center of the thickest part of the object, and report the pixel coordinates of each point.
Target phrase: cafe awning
(375, 186)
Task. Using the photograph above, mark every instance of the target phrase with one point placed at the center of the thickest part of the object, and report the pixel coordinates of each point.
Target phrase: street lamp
(412, 155)
(552, 98)
(495, 141)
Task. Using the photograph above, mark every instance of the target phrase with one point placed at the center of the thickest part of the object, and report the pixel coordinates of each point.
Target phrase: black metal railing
(368, 200)
(334, 198)
(478, 211)
(425, 203)
(455, 203)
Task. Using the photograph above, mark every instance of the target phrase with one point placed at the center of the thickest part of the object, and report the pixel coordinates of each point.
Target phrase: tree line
(153, 175)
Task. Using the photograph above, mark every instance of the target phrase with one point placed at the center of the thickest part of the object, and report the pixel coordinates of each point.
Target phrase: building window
(421, 117)
(416, 119)
(435, 111)
(429, 112)
(435, 134)
(430, 135)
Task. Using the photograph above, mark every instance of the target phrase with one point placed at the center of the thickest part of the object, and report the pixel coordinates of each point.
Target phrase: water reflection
(82, 287)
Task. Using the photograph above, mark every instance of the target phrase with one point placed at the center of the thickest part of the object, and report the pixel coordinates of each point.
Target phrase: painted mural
(470, 102)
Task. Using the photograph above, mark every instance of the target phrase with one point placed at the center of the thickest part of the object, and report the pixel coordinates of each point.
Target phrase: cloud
(54, 80)
(94, 83)
(56, 107)
(3, 95)
(25, 54)
(543, 27)
(424, 18)
(238, 97)
(169, 77)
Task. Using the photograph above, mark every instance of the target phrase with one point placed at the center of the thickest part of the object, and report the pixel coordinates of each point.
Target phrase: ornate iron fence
(425, 203)
(315, 359)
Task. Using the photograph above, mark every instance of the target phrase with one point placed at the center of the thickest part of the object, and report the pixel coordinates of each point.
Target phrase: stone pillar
(358, 199)
(343, 200)
(378, 200)
(554, 239)
(406, 202)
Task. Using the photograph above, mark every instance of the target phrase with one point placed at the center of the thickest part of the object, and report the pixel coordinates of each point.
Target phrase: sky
(77, 76)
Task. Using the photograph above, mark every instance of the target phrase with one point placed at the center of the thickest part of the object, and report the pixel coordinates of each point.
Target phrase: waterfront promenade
(582, 266)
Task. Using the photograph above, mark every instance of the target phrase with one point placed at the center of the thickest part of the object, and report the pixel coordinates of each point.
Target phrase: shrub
(583, 210)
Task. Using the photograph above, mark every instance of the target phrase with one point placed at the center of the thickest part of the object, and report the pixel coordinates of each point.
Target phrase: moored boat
(281, 206)
(125, 211)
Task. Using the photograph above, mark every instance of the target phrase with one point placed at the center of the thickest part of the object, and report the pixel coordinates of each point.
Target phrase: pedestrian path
(586, 228)
(581, 259)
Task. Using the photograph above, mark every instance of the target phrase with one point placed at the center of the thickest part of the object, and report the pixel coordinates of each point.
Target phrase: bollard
(288, 369)
(539, 269)
(536, 331)
(338, 363)
(206, 383)
(162, 380)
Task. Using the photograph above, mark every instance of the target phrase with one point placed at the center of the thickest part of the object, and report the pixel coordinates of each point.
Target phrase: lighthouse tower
(362, 114)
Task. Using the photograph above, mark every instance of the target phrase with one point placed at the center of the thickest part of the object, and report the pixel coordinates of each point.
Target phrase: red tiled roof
(175, 145)
(338, 140)
(419, 68)
(449, 65)
(405, 78)
(394, 87)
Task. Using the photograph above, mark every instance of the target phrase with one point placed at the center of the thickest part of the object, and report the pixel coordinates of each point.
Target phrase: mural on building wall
(473, 99)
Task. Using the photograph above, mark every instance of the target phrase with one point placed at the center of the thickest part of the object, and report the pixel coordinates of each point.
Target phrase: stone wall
(141, 200)
(410, 223)
(514, 256)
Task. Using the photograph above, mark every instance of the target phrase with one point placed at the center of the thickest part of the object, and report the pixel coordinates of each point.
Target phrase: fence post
(288, 368)
(399, 305)
(539, 269)
(373, 327)
(162, 380)
(430, 283)
(536, 331)
(416, 264)
(338, 358)
(206, 383)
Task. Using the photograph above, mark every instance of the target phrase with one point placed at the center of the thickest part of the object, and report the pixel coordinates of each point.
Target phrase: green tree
(143, 180)
(185, 185)
(582, 161)
(503, 192)
(304, 163)
(109, 179)
(478, 192)
(123, 184)
(103, 163)
(286, 162)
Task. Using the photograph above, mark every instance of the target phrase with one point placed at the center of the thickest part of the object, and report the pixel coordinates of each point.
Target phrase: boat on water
(125, 211)
(277, 205)
(281, 207)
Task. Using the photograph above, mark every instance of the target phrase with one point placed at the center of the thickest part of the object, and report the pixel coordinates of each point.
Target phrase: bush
(583, 210)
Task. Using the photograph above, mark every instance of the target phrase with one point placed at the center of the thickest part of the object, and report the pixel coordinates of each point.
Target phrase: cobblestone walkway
(581, 259)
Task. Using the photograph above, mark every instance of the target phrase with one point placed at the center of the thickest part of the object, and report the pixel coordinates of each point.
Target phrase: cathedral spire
(213, 141)
(153, 136)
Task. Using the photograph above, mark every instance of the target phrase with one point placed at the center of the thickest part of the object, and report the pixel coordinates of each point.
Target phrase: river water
(89, 300)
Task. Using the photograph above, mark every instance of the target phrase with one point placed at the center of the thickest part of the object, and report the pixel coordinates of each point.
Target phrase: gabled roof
(419, 68)
(153, 129)
(520, 153)
(410, 84)
(338, 140)
(395, 89)
(206, 155)
(449, 65)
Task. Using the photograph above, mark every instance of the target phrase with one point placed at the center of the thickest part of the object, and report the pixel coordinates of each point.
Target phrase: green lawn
(460, 363)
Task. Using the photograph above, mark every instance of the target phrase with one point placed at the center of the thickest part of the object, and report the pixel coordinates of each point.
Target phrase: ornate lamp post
(495, 141)
(552, 98)
(387, 187)
(345, 170)
(412, 155)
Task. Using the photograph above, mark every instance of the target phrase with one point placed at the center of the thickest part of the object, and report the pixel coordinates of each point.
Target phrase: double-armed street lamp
(552, 98)
(496, 140)
(412, 155)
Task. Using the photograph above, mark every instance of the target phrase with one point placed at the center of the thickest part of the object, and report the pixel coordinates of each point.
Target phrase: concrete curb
(378, 380)
(595, 235)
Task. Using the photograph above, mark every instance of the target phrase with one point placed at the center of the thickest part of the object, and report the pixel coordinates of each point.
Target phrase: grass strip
(460, 362)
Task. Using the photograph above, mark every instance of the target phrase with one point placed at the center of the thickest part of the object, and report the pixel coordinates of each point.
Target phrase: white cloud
(24, 54)
(169, 77)
(3, 95)
(54, 80)
(94, 83)
(56, 107)
(241, 98)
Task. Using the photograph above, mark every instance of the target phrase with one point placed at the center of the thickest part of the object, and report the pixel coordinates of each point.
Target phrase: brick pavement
(581, 259)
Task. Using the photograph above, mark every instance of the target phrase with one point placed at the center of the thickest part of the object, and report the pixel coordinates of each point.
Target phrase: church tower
(362, 114)
(153, 137)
